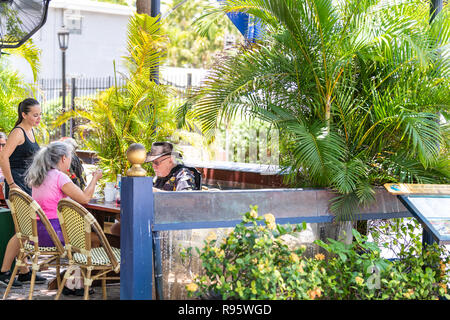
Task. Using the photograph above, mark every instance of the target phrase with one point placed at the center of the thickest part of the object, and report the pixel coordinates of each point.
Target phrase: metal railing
(50, 91)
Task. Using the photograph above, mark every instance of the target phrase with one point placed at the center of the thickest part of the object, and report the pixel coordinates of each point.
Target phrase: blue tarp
(249, 26)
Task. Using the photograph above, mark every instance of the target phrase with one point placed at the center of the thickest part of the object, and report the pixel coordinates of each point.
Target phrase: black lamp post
(63, 39)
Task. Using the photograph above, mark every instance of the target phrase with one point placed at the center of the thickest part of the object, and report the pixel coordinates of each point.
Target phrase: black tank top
(20, 160)
(22, 156)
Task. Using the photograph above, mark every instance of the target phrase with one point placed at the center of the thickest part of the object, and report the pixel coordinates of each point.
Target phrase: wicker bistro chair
(77, 224)
(24, 211)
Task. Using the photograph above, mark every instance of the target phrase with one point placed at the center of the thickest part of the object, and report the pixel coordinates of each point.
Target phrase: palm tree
(143, 6)
(136, 112)
(354, 87)
(13, 88)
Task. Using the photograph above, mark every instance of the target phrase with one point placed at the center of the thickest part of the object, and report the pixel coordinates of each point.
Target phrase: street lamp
(63, 39)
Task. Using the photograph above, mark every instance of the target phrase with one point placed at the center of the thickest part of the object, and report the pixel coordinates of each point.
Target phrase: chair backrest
(77, 224)
(25, 210)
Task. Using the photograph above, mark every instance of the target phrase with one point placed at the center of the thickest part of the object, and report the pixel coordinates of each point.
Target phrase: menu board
(429, 203)
(409, 188)
(433, 211)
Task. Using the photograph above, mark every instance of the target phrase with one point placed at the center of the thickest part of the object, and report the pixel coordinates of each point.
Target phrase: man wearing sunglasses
(3, 139)
(170, 175)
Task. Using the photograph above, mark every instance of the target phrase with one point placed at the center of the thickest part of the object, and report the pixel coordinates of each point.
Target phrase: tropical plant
(355, 88)
(13, 89)
(136, 112)
(255, 262)
(29, 52)
(192, 44)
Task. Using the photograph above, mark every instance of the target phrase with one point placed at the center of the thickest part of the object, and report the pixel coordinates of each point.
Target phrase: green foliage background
(137, 112)
(355, 88)
(195, 42)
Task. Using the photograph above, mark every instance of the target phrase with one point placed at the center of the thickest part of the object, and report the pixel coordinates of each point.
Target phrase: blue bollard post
(136, 243)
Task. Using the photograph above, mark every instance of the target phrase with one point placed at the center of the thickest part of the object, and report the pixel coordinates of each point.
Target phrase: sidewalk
(42, 293)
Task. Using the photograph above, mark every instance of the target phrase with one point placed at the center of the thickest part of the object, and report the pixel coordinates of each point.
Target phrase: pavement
(41, 291)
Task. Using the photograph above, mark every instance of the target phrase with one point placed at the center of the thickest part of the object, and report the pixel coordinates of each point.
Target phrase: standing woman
(17, 155)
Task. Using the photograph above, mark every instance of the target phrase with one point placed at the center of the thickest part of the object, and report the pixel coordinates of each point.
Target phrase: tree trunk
(144, 6)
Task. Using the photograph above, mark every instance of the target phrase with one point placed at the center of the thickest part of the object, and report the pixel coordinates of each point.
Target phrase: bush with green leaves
(255, 262)
(14, 89)
(357, 271)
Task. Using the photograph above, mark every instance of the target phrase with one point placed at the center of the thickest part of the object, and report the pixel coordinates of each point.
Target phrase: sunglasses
(2, 144)
(158, 162)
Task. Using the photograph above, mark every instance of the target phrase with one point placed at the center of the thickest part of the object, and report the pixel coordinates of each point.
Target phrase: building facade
(98, 33)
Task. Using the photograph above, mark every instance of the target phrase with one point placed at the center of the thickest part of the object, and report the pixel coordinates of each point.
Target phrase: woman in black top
(17, 155)
(15, 159)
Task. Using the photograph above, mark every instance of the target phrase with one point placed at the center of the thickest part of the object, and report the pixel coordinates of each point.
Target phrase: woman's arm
(15, 138)
(71, 190)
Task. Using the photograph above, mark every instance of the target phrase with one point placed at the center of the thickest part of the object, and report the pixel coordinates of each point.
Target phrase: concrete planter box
(193, 209)
(191, 216)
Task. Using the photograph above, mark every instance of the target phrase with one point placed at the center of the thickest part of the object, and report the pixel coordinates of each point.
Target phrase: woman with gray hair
(76, 171)
(49, 183)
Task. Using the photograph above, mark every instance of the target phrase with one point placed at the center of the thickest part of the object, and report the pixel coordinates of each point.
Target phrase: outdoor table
(101, 209)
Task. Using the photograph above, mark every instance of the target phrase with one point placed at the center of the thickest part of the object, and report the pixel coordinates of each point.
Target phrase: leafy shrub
(255, 262)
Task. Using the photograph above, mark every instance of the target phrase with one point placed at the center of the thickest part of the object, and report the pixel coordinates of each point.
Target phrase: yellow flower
(270, 218)
(253, 213)
(317, 292)
(294, 258)
(300, 269)
(359, 280)
(231, 267)
(220, 254)
(409, 293)
(319, 256)
(261, 267)
(192, 287)
(443, 267)
(270, 221)
(211, 236)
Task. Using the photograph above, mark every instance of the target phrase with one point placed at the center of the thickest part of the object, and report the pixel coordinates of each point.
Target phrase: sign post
(136, 243)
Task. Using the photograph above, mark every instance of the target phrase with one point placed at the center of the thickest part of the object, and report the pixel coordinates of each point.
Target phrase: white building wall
(90, 53)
